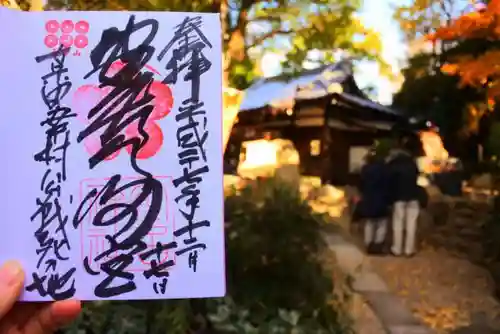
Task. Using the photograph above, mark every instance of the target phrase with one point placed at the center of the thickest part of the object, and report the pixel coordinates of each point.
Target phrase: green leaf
(240, 69)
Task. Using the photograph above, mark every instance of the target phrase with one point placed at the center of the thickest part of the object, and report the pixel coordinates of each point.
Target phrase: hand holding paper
(112, 146)
(36, 318)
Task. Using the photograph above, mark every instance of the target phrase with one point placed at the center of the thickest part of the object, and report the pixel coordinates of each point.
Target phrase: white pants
(375, 230)
(404, 218)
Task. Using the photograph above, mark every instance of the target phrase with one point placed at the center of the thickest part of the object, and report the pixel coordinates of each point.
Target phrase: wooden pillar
(326, 142)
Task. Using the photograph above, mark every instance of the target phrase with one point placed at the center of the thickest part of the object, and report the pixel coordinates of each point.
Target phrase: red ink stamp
(88, 96)
(93, 241)
(67, 33)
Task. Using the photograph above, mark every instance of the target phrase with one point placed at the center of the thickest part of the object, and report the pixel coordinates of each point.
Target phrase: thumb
(11, 283)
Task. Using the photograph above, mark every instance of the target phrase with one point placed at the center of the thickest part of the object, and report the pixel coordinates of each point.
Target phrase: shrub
(277, 278)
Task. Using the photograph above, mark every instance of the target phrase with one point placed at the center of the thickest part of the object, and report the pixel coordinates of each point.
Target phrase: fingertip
(53, 316)
(11, 273)
(11, 284)
(66, 309)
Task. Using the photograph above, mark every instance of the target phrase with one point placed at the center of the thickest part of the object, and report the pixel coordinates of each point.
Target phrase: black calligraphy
(53, 243)
(129, 101)
(187, 49)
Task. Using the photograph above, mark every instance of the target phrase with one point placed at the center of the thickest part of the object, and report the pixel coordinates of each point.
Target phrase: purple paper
(112, 163)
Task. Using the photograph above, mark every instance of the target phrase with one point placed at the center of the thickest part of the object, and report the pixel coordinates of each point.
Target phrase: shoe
(410, 255)
(394, 254)
(370, 249)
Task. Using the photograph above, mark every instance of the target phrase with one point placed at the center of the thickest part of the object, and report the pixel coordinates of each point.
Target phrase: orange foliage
(475, 71)
(482, 24)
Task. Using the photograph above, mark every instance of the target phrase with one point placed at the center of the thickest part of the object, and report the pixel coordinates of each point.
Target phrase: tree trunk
(224, 30)
(221, 7)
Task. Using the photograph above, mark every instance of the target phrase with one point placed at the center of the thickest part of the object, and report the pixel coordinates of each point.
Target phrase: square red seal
(93, 239)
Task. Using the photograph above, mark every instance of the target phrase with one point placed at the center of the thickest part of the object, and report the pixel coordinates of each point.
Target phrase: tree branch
(269, 18)
(243, 14)
(242, 21)
(271, 34)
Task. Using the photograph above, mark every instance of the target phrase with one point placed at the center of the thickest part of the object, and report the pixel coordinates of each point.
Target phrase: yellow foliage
(9, 4)
(236, 47)
(31, 5)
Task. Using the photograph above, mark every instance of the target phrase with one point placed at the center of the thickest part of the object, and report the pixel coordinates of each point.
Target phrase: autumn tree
(418, 18)
(481, 69)
(427, 92)
(421, 17)
(476, 37)
(437, 97)
(251, 27)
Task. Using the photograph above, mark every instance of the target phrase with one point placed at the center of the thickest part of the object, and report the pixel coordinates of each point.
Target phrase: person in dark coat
(373, 207)
(405, 195)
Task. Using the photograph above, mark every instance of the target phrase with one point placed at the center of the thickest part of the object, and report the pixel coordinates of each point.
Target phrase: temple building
(323, 112)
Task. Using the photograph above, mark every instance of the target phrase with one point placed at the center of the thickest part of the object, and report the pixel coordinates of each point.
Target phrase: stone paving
(366, 320)
(375, 309)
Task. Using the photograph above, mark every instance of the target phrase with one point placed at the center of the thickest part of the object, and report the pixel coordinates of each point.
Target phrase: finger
(11, 284)
(53, 316)
(22, 312)
(18, 317)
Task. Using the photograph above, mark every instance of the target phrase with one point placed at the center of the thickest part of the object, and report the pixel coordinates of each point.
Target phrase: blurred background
(310, 88)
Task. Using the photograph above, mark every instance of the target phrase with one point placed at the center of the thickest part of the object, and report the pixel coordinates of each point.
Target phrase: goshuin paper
(111, 134)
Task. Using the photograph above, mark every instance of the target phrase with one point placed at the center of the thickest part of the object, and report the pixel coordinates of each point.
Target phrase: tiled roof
(326, 80)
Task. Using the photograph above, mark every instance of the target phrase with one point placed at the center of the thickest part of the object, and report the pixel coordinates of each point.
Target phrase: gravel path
(446, 292)
(440, 285)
